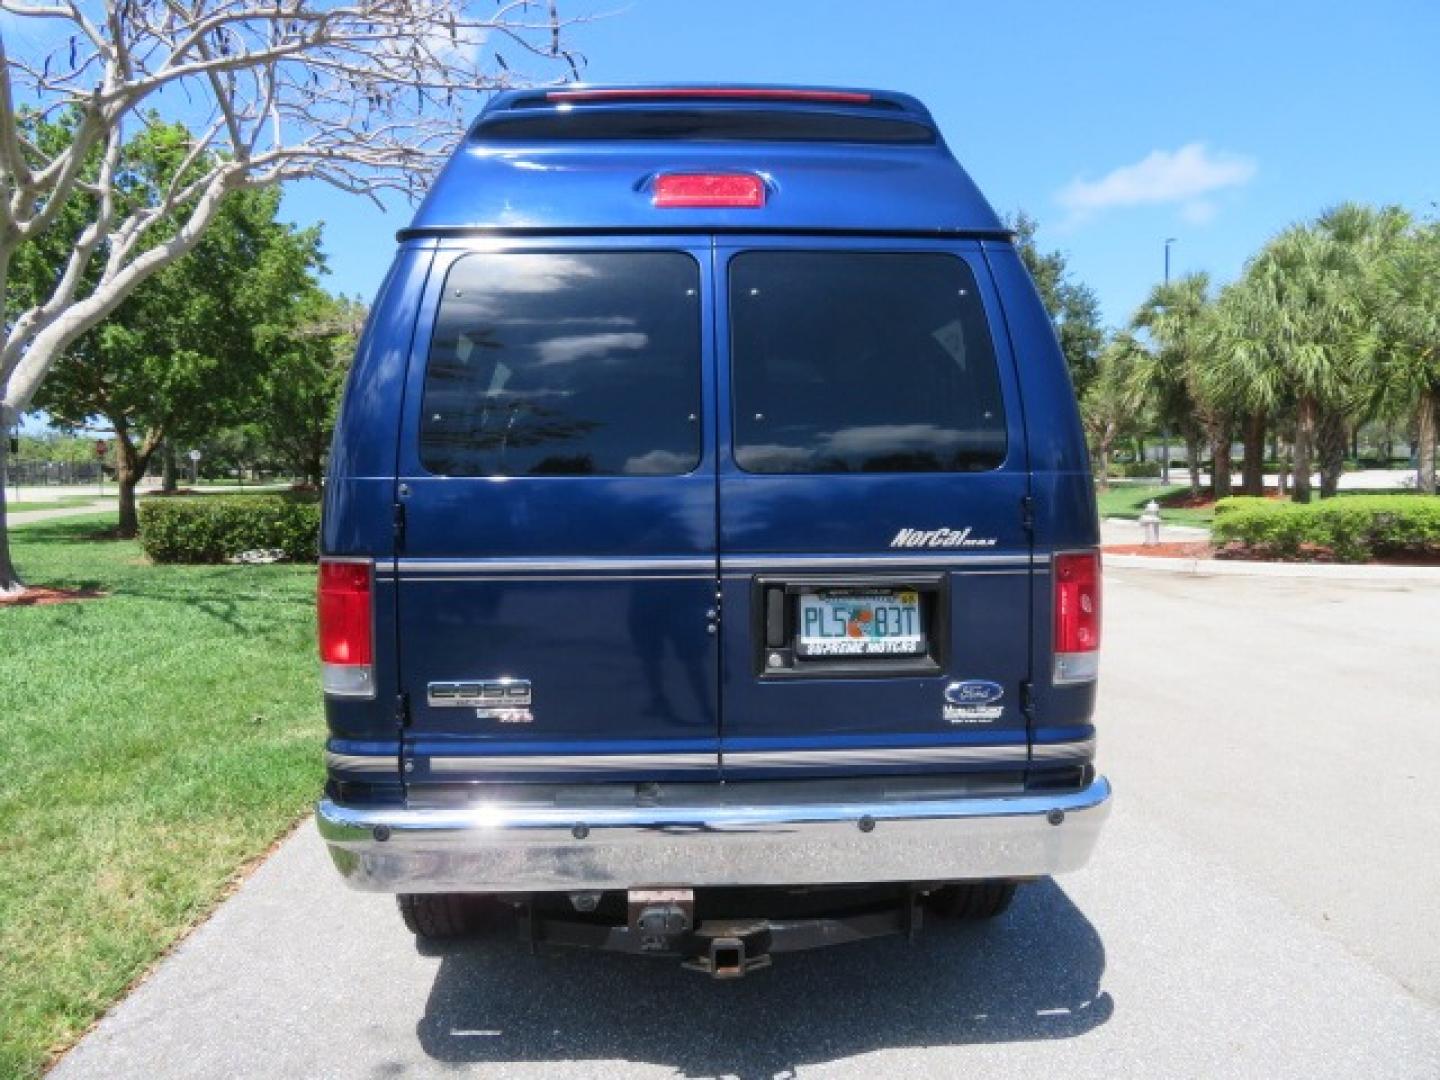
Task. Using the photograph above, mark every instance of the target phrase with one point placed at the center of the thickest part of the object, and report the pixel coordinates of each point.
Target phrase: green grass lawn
(1128, 501)
(154, 741)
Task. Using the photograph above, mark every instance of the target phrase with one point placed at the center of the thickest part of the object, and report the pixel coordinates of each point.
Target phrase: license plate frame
(861, 623)
(775, 614)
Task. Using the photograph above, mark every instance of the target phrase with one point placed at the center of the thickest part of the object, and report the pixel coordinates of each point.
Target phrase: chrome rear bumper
(510, 848)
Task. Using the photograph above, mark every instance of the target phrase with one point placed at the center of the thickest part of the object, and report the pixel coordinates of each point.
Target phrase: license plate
(854, 623)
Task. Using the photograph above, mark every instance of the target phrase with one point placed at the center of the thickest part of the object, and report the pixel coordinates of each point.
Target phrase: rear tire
(441, 916)
(972, 899)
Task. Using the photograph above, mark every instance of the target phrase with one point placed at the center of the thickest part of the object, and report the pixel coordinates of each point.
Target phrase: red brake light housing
(673, 190)
(346, 624)
(1077, 616)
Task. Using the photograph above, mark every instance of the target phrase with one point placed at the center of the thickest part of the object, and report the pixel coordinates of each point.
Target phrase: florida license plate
(841, 622)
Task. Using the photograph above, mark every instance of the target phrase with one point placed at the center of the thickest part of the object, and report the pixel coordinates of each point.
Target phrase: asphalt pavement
(1263, 903)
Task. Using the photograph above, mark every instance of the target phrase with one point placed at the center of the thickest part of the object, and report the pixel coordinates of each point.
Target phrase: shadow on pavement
(1034, 974)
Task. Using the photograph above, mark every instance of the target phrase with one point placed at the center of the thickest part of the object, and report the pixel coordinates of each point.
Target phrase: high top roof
(586, 158)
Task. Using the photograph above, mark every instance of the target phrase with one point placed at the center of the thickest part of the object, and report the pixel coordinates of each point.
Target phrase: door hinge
(402, 710)
(1027, 699)
(398, 520)
(1027, 512)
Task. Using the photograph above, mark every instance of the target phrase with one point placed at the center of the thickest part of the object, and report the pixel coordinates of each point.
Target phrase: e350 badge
(974, 701)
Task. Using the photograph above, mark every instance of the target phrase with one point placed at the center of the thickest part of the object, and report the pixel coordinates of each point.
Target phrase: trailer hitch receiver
(728, 958)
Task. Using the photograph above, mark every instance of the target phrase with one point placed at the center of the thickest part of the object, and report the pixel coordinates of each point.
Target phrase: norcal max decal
(940, 538)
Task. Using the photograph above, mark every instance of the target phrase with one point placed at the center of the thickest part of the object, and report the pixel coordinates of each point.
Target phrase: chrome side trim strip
(1063, 751)
(871, 562)
(459, 569)
(579, 764)
(1019, 571)
(419, 567)
(922, 755)
(363, 763)
(433, 578)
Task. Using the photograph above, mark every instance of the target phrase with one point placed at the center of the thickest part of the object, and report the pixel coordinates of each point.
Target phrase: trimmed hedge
(1352, 528)
(214, 528)
(1232, 503)
(1135, 470)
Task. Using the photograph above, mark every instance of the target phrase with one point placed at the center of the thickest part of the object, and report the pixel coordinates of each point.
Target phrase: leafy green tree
(186, 351)
(300, 393)
(1106, 407)
(1072, 305)
(57, 447)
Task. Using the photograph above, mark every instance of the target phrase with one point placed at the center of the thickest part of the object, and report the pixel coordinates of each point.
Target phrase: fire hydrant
(1150, 523)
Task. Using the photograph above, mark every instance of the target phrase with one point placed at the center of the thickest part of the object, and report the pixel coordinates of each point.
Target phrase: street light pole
(1168, 241)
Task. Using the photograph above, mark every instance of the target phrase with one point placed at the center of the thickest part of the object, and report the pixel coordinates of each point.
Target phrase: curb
(1242, 568)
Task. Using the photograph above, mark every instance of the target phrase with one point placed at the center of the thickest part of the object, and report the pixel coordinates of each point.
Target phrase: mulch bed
(1195, 549)
(40, 596)
(1184, 500)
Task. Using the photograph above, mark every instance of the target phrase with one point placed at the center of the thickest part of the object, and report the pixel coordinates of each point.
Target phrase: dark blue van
(710, 553)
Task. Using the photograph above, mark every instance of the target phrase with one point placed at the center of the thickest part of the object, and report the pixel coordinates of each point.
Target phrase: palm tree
(1176, 321)
(1403, 341)
(1363, 238)
(1242, 373)
(1303, 305)
(1294, 313)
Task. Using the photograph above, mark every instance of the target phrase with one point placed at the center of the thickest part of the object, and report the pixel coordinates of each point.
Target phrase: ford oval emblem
(974, 692)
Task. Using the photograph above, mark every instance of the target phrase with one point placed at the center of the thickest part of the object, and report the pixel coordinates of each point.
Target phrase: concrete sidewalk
(30, 517)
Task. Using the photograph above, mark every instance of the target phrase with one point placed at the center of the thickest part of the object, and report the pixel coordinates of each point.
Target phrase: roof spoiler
(784, 113)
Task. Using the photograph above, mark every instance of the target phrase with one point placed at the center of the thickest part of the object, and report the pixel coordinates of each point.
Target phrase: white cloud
(572, 347)
(659, 463)
(1199, 212)
(1162, 177)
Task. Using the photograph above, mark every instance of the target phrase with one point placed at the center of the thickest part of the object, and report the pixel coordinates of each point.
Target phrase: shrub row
(1233, 503)
(1135, 470)
(213, 528)
(1353, 528)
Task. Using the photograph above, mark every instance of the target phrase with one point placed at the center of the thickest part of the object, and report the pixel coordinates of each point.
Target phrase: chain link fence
(24, 473)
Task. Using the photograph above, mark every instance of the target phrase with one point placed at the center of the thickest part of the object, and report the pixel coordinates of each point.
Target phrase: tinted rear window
(861, 362)
(565, 365)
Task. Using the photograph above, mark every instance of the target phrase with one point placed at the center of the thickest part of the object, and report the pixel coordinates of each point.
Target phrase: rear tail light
(346, 623)
(709, 189)
(1077, 616)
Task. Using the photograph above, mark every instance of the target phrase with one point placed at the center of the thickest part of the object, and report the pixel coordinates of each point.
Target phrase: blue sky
(1116, 124)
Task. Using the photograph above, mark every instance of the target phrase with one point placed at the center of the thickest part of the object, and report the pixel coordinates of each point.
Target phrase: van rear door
(556, 481)
(875, 557)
